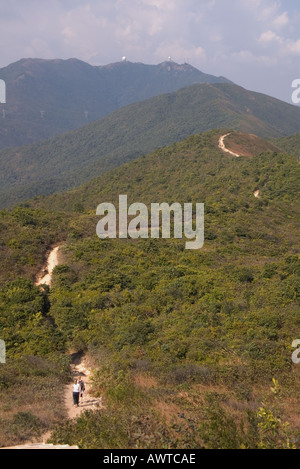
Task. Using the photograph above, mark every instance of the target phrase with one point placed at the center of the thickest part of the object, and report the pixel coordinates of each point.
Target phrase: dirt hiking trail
(45, 277)
(223, 147)
(80, 368)
(79, 362)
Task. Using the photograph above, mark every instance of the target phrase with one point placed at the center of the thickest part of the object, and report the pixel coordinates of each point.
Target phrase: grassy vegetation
(290, 144)
(192, 348)
(249, 145)
(32, 380)
(30, 388)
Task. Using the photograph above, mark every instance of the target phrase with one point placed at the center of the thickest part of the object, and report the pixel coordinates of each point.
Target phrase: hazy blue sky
(255, 43)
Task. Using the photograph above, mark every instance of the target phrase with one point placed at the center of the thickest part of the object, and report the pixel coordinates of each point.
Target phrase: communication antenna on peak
(124, 59)
(170, 59)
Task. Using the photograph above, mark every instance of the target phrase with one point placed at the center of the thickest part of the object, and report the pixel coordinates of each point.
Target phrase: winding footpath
(79, 365)
(223, 146)
(79, 368)
(45, 278)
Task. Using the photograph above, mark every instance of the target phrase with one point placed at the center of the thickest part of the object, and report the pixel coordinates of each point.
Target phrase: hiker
(76, 391)
(82, 388)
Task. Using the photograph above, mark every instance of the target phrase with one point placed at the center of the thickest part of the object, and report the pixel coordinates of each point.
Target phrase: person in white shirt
(82, 389)
(76, 391)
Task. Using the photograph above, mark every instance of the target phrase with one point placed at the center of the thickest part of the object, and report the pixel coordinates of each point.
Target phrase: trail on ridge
(223, 146)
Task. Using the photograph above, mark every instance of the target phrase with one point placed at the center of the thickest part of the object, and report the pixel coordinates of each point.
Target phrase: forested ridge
(73, 158)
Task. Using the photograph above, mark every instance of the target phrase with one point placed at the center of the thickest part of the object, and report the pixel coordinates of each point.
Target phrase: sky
(254, 43)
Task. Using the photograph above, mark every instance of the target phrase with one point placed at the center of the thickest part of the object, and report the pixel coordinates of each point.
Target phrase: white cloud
(270, 36)
(281, 20)
(285, 47)
(292, 47)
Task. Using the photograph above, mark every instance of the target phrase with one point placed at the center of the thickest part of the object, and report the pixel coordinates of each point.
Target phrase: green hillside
(185, 343)
(67, 161)
(290, 144)
(48, 97)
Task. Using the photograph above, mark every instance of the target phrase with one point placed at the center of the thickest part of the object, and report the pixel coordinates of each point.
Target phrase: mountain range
(66, 161)
(48, 97)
